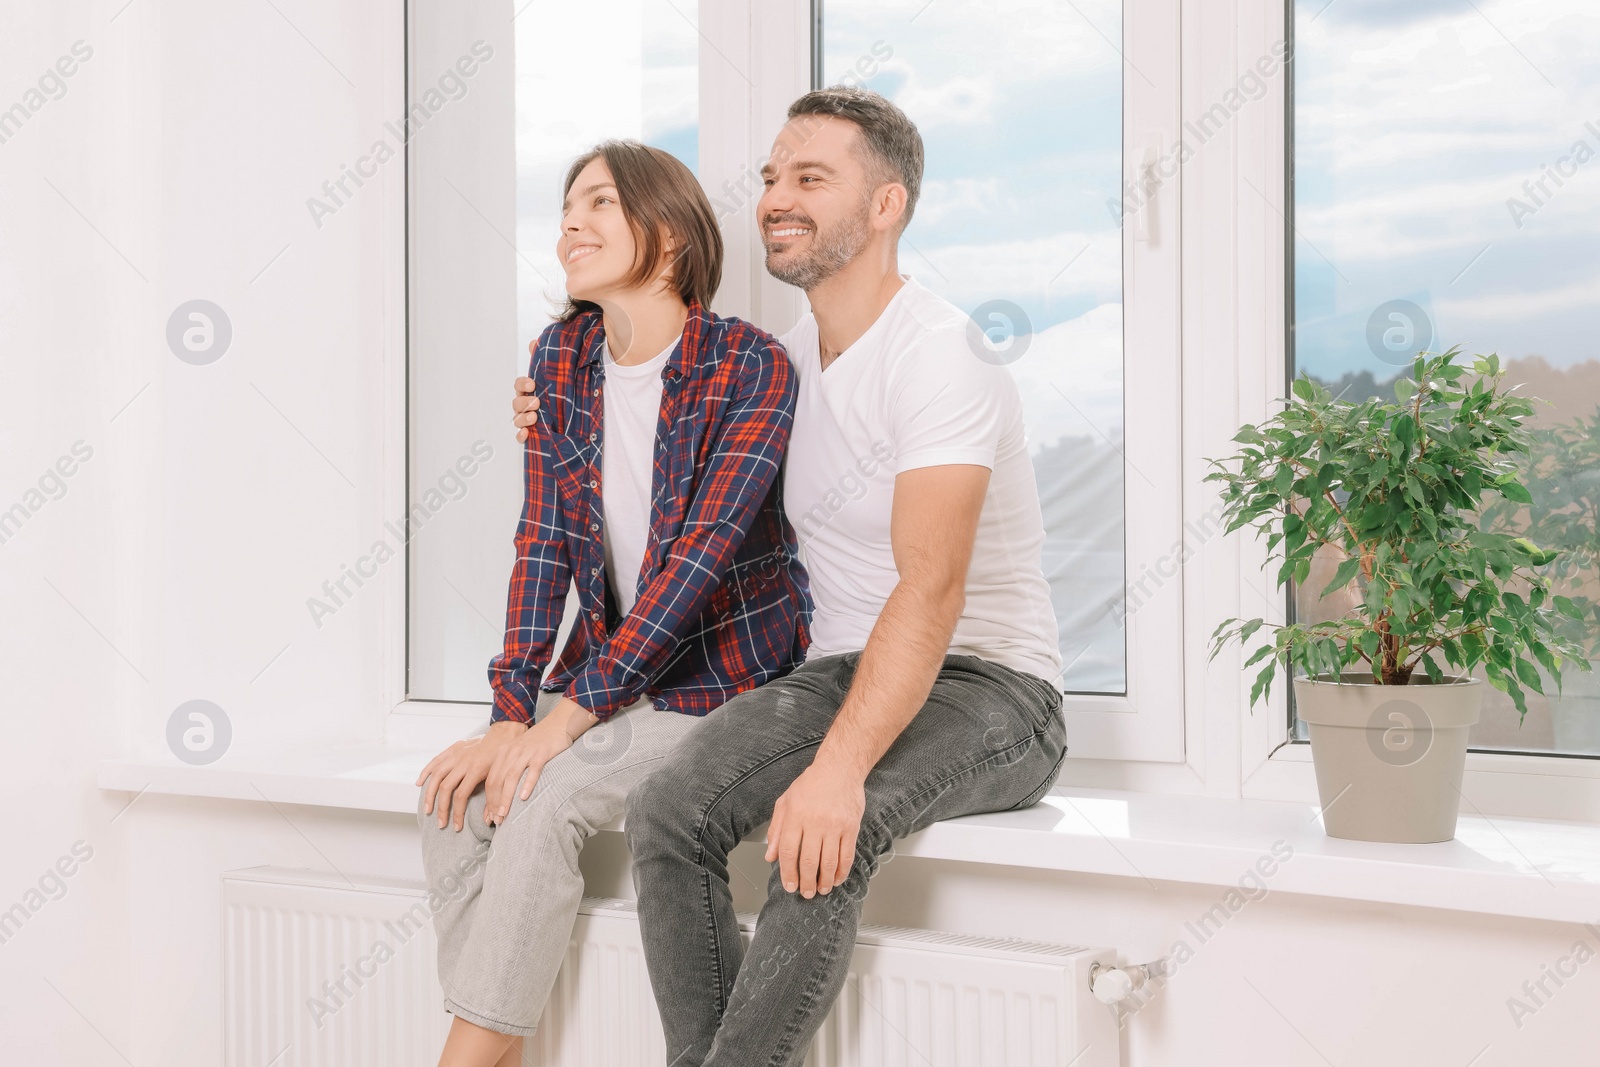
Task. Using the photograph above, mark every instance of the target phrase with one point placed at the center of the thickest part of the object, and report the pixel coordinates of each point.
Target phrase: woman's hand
(524, 409)
(542, 742)
(453, 774)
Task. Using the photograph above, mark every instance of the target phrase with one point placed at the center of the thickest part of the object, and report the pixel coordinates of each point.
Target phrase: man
(926, 692)
(928, 689)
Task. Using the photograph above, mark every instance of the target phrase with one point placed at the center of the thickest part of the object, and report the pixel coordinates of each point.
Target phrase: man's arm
(932, 528)
(537, 594)
(534, 603)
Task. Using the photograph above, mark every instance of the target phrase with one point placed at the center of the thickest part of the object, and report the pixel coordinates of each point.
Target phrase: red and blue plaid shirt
(722, 599)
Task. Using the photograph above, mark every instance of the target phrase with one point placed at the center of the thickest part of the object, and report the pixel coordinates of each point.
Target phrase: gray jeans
(988, 739)
(510, 892)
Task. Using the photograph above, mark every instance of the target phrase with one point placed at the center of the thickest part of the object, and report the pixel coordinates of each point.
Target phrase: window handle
(1149, 185)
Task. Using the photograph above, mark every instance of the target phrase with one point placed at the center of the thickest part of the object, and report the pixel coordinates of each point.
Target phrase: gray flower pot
(1389, 758)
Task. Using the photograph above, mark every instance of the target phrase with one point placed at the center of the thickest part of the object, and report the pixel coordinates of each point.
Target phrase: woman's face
(596, 248)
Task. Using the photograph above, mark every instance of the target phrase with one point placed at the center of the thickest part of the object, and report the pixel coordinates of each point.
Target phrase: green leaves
(1512, 489)
(1395, 491)
(1341, 577)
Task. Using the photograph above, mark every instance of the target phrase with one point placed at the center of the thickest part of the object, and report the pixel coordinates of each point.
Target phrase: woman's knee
(429, 820)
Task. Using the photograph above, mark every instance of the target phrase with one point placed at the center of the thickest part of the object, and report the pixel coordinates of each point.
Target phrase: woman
(652, 484)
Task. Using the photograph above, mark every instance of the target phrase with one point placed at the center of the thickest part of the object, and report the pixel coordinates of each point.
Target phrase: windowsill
(1528, 868)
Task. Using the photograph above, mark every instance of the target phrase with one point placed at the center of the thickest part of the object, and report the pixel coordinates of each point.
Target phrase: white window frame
(746, 83)
(1207, 363)
(1146, 722)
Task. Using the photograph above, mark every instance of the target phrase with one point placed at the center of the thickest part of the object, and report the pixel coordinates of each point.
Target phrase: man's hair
(891, 146)
(657, 192)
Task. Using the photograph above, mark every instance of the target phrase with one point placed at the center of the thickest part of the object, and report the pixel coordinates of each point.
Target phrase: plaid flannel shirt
(722, 599)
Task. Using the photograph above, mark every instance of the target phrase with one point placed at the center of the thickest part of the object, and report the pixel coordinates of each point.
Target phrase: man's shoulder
(934, 344)
(923, 313)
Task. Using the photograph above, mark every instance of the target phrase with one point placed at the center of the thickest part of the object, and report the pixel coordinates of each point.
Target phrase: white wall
(176, 566)
(64, 370)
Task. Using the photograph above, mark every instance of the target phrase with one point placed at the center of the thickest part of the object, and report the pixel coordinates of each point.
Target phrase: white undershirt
(632, 406)
(912, 393)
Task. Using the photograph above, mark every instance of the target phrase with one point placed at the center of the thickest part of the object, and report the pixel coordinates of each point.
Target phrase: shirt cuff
(594, 691)
(507, 708)
(939, 457)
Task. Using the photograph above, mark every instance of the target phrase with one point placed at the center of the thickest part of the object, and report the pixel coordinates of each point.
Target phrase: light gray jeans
(510, 893)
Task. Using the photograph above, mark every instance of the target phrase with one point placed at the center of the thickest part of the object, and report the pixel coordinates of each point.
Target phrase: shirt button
(595, 393)
(595, 615)
(593, 483)
(591, 439)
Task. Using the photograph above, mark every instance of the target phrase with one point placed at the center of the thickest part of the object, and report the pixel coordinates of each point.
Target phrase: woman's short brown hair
(657, 192)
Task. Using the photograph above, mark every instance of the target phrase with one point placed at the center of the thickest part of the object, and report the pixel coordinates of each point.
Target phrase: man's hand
(814, 827)
(453, 774)
(538, 745)
(524, 408)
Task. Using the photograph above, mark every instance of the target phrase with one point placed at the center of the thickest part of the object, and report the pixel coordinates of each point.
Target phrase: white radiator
(319, 973)
(302, 985)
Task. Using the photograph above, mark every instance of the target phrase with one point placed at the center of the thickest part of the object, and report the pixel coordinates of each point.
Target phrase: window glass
(1446, 191)
(1018, 226)
(483, 202)
(646, 89)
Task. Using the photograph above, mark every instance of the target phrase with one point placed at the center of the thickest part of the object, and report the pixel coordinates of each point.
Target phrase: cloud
(952, 101)
(1442, 216)
(1505, 305)
(671, 98)
(1371, 13)
(941, 199)
(1071, 379)
(1415, 123)
(1086, 265)
(1025, 40)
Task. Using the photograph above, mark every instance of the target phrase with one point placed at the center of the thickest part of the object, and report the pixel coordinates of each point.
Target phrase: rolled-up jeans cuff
(487, 1022)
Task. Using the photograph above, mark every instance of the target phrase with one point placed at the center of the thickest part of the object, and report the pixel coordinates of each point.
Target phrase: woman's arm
(744, 463)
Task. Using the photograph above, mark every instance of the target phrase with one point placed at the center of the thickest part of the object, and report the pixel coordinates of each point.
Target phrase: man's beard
(830, 251)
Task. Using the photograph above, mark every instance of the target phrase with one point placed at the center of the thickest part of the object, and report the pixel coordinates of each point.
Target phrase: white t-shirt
(632, 403)
(911, 393)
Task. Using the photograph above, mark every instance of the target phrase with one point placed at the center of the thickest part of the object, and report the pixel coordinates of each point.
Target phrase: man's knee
(874, 843)
(662, 806)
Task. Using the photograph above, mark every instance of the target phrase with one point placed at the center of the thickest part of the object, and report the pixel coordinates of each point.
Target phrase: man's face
(815, 214)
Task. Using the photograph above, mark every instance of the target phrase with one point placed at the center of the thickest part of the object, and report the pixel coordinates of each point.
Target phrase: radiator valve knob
(1112, 985)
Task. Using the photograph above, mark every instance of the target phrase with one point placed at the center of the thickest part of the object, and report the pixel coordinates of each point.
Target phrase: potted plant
(1393, 491)
(1562, 473)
